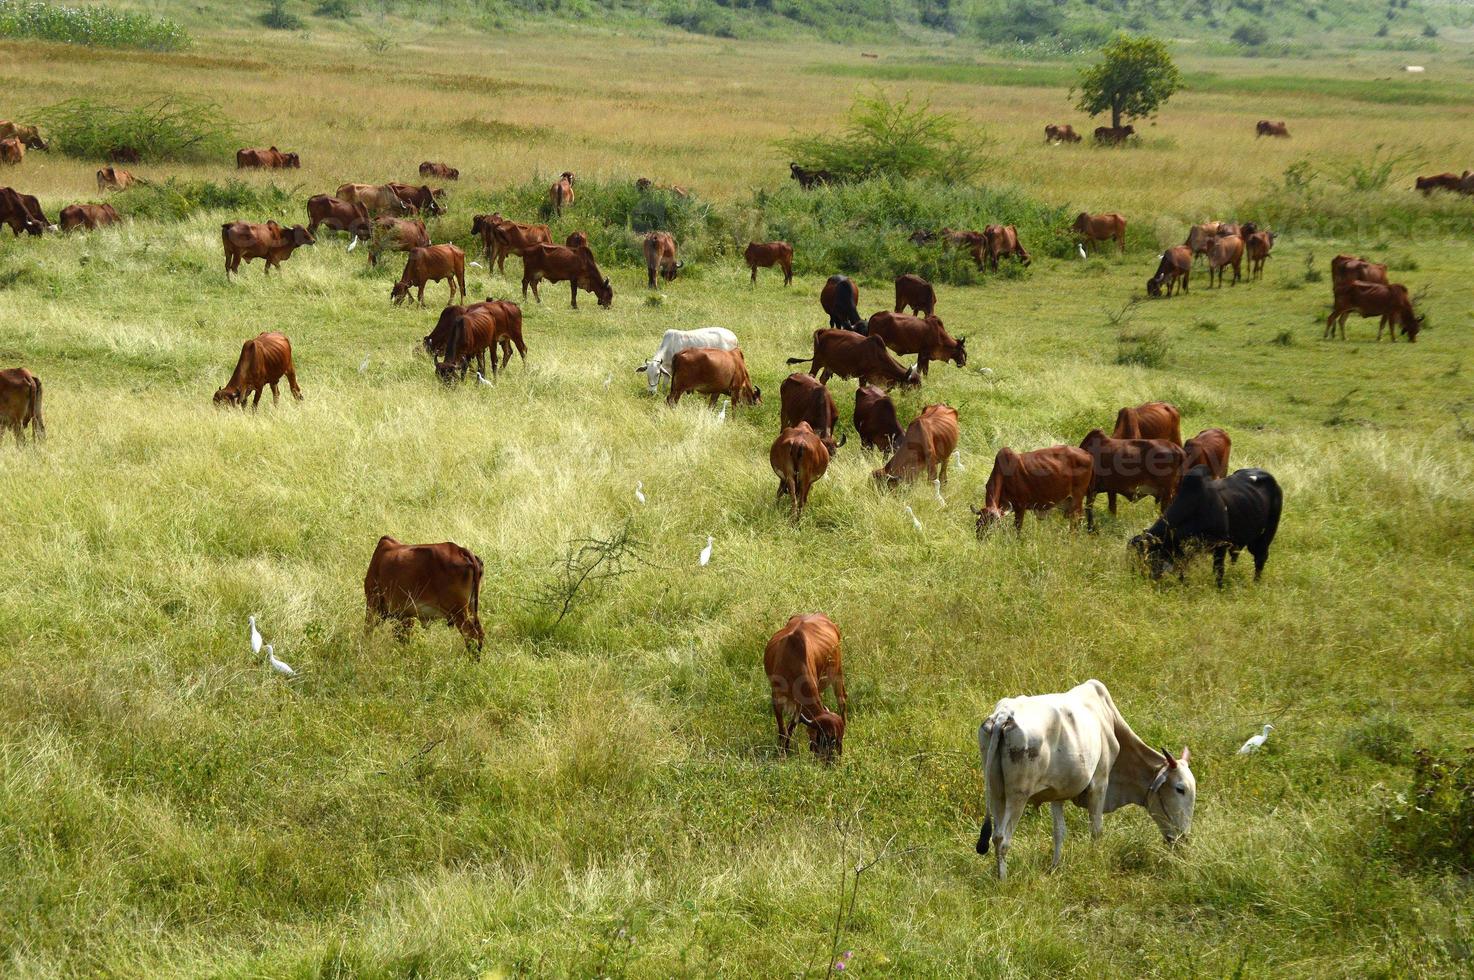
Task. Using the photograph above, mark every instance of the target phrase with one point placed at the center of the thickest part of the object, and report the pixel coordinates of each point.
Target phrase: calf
(799, 458)
(352, 217)
(707, 371)
(20, 405)
(424, 582)
(88, 217)
(1258, 246)
(850, 355)
(559, 263)
(396, 235)
(1112, 135)
(929, 442)
(804, 399)
(560, 195)
(926, 338)
(441, 170)
(674, 341)
(802, 661)
(500, 237)
(1002, 240)
(271, 159)
(245, 241)
(1177, 263)
(917, 293)
(22, 212)
(264, 360)
(466, 332)
(1266, 128)
(1208, 448)
(1133, 468)
(1152, 420)
(875, 420)
(1227, 250)
(767, 255)
(433, 264)
(1227, 515)
(660, 254)
(1060, 134)
(1039, 481)
(112, 178)
(840, 298)
(12, 151)
(1093, 228)
(1390, 302)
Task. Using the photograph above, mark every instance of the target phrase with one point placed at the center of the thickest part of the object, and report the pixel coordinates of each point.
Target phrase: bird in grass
(706, 552)
(912, 514)
(363, 365)
(482, 378)
(476, 265)
(1081, 249)
(937, 486)
(609, 379)
(1254, 744)
(353, 243)
(722, 415)
(255, 637)
(280, 666)
(640, 494)
(957, 460)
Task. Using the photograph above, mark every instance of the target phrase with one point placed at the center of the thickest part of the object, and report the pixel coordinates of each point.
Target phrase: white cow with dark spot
(1075, 746)
(675, 341)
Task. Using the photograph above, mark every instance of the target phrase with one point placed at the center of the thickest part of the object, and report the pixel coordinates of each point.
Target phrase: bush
(278, 17)
(338, 9)
(175, 199)
(891, 139)
(1431, 824)
(1250, 35)
(168, 128)
(102, 26)
(1381, 738)
(1144, 348)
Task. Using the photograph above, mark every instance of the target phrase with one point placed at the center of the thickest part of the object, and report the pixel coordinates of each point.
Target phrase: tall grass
(168, 127)
(96, 24)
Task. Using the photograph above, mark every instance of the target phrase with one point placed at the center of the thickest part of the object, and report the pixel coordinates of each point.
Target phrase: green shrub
(337, 9)
(175, 199)
(278, 17)
(168, 128)
(95, 25)
(1431, 823)
(1381, 738)
(891, 139)
(1250, 35)
(1143, 348)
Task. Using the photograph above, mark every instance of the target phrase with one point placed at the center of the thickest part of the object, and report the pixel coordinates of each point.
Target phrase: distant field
(604, 798)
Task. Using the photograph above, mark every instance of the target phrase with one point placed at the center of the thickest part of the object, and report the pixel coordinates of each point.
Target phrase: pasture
(603, 796)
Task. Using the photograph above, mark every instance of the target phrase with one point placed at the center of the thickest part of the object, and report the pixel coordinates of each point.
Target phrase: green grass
(95, 25)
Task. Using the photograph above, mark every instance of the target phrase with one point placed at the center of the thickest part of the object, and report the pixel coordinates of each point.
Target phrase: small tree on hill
(892, 138)
(1134, 77)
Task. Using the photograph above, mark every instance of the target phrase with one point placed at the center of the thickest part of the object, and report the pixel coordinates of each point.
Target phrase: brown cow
(396, 235)
(767, 255)
(1227, 250)
(660, 254)
(441, 170)
(1152, 420)
(1208, 448)
(929, 441)
(969, 240)
(559, 263)
(850, 355)
(1439, 182)
(377, 198)
(924, 337)
(875, 420)
(917, 293)
(88, 217)
(424, 582)
(501, 237)
(1200, 237)
(20, 405)
(804, 399)
(352, 217)
(560, 195)
(1346, 269)
(112, 178)
(22, 212)
(1093, 228)
(12, 151)
(809, 179)
(272, 242)
(272, 159)
(1039, 480)
(466, 332)
(1001, 240)
(418, 200)
(264, 360)
(27, 134)
(799, 458)
(802, 661)
(840, 298)
(709, 371)
(427, 264)
(1266, 128)
(1258, 246)
(1177, 263)
(1124, 466)
(1061, 134)
(1388, 301)
(1114, 134)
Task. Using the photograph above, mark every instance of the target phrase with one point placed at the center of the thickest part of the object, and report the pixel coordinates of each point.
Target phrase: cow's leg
(1090, 512)
(292, 384)
(799, 492)
(945, 461)
(1111, 501)
(783, 727)
(275, 395)
(573, 285)
(1057, 810)
(782, 488)
(712, 401)
(788, 275)
(257, 402)
(1003, 828)
(824, 376)
(836, 679)
(754, 274)
(1261, 555)
(1218, 554)
(923, 363)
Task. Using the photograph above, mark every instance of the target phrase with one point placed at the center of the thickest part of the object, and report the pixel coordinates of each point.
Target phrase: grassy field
(603, 797)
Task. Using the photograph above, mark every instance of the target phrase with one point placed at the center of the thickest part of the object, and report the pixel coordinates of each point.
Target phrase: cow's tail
(796, 454)
(990, 747)
(38, 422)
(800, 360)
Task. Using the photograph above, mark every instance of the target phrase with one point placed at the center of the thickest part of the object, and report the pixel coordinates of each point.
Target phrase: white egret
(914, 522)
(957, 459)
(937, 486)
(353, 243)
(1081, 249)
(482, 378)
(476, 265)
(280, 666)
(722, 415)
(363, 365)
(1255, 743)
(706, 552)
(640, 491)
(255, 637)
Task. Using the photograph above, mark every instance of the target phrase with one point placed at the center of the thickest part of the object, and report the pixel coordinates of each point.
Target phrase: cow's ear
(1171, 762)
(1185, 755)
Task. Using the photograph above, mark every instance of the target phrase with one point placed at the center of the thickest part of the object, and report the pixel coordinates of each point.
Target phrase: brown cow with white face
(712, 372)
(802, 661)
(425, 582)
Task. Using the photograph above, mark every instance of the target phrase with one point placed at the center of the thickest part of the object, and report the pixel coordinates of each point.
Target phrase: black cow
(840, 298)
(1240, 511)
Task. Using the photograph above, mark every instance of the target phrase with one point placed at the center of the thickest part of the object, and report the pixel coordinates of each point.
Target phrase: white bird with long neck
(363, 365)
(255, 637)
(1081, 249)
(706, 552)
(957, 460)
(609, 379)
(722, 415)
(482, 378)
(937, 486)
(1255, 743)
(280, 666)
(912, 514)
(353, 243)
(640, 491)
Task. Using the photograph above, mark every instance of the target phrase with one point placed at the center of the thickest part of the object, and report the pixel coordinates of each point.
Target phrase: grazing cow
(417, 200)
(396, 235)
(1151, 420)
(1039, 481)
(1061, 134)
(1266, 128)
(20, 405)
(1226, 515)
(924, 337)
(767, 255)
(88, 217)
(713, 372)
(1208, 448)
(799, 458)
(1132, 468)
(850, 355)
(424, 582)
(1439, 182)
(264, 360)
(271, 159)
(917, 293)
(1114, 135)
(27, 134)
(324, 209)
(875, 420)
(1177, 263)
(441, 170)
(1093, 228)
(22, 212)
(660, 254)
(112, 178)
(559, 263)
(1227, 250)
(802, 661)
(577, 239)
(1258, 246)
(1075, 747)
(840, 298)
(809, 179)
(1200, 237)
(804, 399)
(560, 195)
(929, 442)
(272, 242)
(501, 237)
(12, 151)
(1390, 302)
(1001, 240)
(435, 263)
(1346, 269)
(123, 154)
(466, 332)
(377, 198)
(675, 341)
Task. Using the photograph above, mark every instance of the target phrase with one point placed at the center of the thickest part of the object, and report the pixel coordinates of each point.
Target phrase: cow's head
(605, 293)
(912, 379)
(987, 517)
(643, 184)
(1154, 286)
(229, 396)
(399, 292)
(428, 199)
(1158, 548)
(293, 160)
(652, 369)
(748, 394)
(301, 236)
(959, 353)
(1172, 795)
(826, 735)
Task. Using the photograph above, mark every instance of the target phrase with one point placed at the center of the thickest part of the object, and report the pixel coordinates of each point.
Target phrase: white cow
(675, 341)
(1075, 746)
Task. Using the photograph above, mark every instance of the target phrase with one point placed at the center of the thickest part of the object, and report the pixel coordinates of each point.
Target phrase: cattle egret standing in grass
(482, 378)
(353, 243)
(937, 486)
(255, 637)
(476, 265)
(1254, 744)
(957, 460)
(914, 522)
(363, 365)
(1081, 249)
(640, 492)
(722, 415)
(706, 552)
(280, 666)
